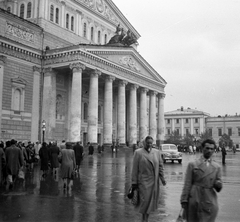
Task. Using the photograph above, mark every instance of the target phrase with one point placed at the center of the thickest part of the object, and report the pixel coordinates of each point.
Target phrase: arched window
(99, 37)
(51, 13)
(57, 16)
(92, 30)
(29, 9)
(105, 38)
(67, 21)
(99, 114)
(17, 100)
(85, 111)
(85, 29)
(22, 7)
(72, 23)
(8, 9)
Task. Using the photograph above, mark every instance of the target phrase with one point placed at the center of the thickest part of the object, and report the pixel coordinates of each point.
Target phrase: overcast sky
(195, 47)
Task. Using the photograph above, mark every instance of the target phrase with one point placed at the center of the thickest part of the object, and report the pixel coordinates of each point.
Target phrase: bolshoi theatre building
(74, 66)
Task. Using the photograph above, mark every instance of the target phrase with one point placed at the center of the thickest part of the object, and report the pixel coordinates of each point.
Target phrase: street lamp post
(43, 130)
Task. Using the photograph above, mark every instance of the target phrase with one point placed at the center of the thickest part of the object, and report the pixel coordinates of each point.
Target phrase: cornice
(20, 53)
(101, 64)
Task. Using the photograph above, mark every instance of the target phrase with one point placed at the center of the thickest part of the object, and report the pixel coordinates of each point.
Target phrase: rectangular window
(187, 131)
(168, 121)
(196, 120)
(229, 131)
(196, 131)
(177, 120)
(186, 120)
(168, 131)
(210, 132)
(177, 131)
(57, 16)
(219, 132)
(238, 131)
(85, 30)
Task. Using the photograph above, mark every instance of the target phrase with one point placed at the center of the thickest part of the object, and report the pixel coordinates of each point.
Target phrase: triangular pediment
(128, 58)
(19, 80)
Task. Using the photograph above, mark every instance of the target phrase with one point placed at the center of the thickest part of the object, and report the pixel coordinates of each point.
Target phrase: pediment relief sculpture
(129, 62)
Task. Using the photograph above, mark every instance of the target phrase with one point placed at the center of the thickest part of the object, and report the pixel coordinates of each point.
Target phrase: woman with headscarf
(68, 165)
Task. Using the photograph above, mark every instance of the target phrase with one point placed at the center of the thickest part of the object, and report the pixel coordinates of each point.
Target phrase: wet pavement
(99, 193)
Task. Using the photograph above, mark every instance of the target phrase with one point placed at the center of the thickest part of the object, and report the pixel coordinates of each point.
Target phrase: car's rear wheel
(179, 161)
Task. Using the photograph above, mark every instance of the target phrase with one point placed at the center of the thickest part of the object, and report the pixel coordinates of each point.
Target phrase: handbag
(181, 216)
(135, 198)
(21, 174)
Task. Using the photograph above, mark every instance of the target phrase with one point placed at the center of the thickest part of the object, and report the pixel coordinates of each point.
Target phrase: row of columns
(156, 128)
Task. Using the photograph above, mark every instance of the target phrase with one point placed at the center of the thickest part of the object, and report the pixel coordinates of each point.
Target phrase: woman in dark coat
(68, 165)
(147, 171)
(44, 156)
(54, 152)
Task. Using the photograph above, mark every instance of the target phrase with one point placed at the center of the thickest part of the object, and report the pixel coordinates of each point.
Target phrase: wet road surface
(99, 193)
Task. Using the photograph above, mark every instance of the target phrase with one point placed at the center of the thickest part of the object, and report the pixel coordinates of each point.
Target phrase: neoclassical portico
(109, 117)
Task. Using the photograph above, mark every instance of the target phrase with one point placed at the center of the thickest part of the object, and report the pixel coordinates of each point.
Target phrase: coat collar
(201, 164)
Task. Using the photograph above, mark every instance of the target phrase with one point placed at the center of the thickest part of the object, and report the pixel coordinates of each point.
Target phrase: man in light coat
(147, 171)
(202, 181)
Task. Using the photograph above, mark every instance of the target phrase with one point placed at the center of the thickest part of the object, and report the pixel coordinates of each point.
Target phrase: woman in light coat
(68, 165)
(147, 171)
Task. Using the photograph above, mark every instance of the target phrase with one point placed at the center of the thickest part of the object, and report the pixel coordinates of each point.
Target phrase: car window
(173, 147)
(165, 148)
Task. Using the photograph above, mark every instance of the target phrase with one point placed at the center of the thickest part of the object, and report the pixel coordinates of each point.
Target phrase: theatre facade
(75, 66)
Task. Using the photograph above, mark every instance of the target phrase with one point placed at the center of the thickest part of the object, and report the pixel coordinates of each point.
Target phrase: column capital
(134, 86)
(36, 69)
(161, 95)
(48, 69)
(152, 93)
(77, 66)
(143, 90)
(109, 78)
(122, 83)
(95, 73)
(3, 58)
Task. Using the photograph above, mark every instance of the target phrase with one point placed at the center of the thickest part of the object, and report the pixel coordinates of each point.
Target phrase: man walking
(202, 181)
(224, 153)
(14, 161)
(78, 149)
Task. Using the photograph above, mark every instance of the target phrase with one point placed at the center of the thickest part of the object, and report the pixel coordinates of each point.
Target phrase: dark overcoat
(14, 160)
(199, 190)
(68, 163)
(2, 164)
(146, 173)
(78, 149)
(54, 152)
(44, 156)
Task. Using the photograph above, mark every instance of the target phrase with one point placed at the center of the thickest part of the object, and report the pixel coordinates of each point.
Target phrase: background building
(74, 65)
(230, 125)
(185, 121)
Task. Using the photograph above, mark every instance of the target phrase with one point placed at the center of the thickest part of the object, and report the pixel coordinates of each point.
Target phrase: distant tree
(225, 140)
(188, 139)
(174, 138)
(205, 135)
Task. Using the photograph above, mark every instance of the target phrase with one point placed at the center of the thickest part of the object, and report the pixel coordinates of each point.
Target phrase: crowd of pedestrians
(17, 158)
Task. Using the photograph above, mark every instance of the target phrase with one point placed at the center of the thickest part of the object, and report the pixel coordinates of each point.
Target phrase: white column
(15, 7)
(2, 61)
(121, 115)
(76, 101)
(35, 103)
(93, 107)
(46, 9)
(152, 116)
(49, 103)
(161, 121)
(191, 126)
(63, 15)
(201, 125)
(182, 127)
(143, 114)
(107, 112)
(133, 115)
(41, 9)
